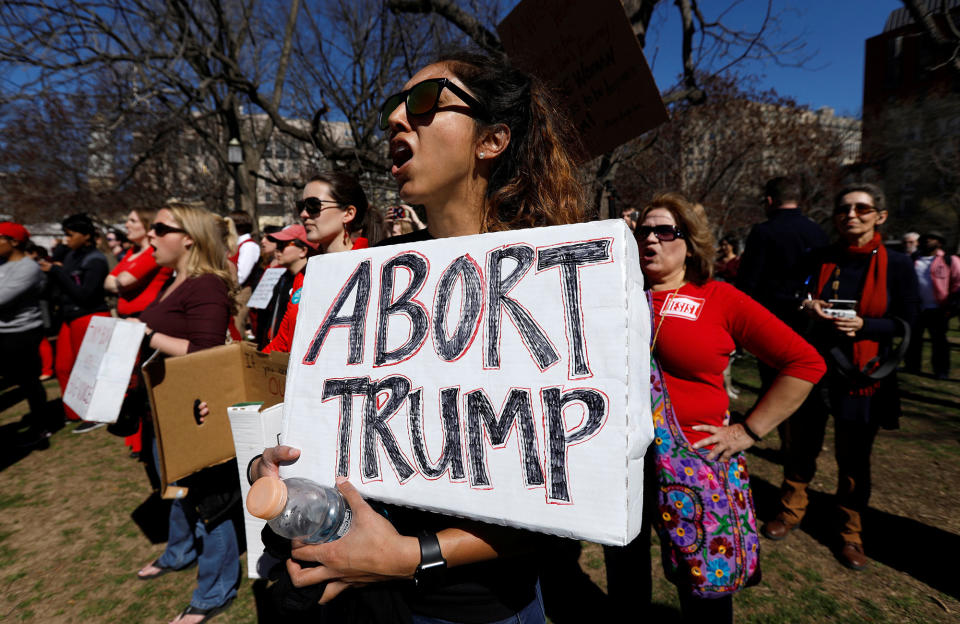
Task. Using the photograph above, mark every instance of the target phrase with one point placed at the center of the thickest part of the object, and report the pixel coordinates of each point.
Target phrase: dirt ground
(77, 520)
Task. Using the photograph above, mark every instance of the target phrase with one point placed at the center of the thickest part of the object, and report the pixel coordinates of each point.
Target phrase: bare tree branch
(467, 23)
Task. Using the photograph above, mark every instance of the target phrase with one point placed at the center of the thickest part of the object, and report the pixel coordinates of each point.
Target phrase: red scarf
(872, 303)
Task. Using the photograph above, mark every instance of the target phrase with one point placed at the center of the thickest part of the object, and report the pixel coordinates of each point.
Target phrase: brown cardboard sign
(587, 50)
(221, 376)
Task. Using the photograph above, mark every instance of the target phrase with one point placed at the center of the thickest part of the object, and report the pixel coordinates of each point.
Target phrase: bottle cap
(267, 498)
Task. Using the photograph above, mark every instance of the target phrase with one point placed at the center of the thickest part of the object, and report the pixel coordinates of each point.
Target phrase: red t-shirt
(284, 338)
(150, 279)
(700, 328)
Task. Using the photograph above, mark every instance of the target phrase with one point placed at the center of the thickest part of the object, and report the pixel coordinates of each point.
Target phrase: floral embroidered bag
(706, 522)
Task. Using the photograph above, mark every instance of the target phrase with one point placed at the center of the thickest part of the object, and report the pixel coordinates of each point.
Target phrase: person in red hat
(21, 327)
(293, 251)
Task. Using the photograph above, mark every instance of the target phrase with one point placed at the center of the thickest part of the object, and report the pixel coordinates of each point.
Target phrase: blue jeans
(216, 551)
(530, 614)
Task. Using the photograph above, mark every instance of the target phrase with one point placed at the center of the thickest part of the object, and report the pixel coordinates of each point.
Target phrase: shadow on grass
(152, 516)
(950, 402)
(919, 550)
(16, 441)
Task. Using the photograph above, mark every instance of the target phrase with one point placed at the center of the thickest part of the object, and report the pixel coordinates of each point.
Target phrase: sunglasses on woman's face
(162, 229)
(283, 244)
(423, 98)
(314, 205)
(860, 208)
(665, 233)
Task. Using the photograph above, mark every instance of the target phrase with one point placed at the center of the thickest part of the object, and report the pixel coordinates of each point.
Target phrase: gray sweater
(20, 285)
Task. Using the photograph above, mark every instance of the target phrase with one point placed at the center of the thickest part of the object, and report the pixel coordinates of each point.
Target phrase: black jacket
(776, 254)
(79, 283)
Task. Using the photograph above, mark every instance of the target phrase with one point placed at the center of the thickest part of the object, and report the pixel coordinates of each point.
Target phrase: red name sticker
(682, 306)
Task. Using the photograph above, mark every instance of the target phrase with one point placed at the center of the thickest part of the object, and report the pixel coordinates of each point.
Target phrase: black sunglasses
(424, 97)
(283, 244)
(314, 205)
(162, 229)
(665, 233)
(860, 208)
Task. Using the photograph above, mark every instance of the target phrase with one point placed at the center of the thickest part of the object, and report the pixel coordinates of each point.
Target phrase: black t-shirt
(476, 593)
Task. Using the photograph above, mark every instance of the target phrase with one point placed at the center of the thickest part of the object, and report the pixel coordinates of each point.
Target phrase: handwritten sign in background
(512, 387)
(261, 296)
(101, 373)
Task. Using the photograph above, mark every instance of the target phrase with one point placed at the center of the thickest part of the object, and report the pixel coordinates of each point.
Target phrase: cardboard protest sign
(221, 376)
(254, 429)
(264, 291)
(502, 377)
(101, 373)
(587, 51)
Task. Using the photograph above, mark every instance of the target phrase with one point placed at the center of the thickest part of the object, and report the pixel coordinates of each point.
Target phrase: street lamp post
(235, 158)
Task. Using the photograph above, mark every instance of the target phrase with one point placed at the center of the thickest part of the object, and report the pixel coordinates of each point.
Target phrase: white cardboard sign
(101, 373)
(502, 377)
(261, 296)
(253, 430)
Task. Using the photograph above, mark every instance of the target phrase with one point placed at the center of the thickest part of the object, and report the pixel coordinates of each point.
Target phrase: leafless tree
(718, 154)
(222, 69)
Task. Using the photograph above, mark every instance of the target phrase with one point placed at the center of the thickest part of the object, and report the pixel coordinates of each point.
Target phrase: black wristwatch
(432, 566)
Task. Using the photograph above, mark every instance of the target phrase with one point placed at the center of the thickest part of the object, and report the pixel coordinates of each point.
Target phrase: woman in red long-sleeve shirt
(697, 324)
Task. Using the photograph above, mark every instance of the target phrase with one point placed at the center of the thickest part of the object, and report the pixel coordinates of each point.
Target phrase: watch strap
(432, 564)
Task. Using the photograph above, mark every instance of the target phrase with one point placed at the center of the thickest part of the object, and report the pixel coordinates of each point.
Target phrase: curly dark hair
(534, 181)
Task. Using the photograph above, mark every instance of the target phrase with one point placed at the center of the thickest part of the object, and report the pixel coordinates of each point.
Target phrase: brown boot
(778, 528)
(851, 555)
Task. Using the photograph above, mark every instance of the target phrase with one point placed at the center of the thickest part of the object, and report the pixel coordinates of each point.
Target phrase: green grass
(69, 549)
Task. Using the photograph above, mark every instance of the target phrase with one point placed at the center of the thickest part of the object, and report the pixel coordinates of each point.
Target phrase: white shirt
(249, 255)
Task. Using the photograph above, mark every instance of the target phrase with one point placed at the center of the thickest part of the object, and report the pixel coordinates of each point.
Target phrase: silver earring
(481, 155)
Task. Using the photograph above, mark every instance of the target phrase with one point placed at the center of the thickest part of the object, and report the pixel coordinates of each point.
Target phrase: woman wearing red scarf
(884, 287)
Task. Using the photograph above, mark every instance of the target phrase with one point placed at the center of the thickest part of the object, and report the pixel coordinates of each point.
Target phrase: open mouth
(649, 253)
(400, 153)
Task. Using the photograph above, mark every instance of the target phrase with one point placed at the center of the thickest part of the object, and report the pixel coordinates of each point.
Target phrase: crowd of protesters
(481, 147)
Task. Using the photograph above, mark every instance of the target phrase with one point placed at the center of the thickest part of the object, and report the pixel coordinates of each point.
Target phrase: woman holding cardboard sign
(705, 513)
(481, 146)
(190, 314)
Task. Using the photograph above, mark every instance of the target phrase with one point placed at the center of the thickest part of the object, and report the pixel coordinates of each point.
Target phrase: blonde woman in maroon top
(192, 313)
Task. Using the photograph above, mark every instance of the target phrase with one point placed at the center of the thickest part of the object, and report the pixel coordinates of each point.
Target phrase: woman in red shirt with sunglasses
(333, 210)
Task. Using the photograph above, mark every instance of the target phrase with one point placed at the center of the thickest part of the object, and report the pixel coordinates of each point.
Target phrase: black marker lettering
(465, 268)
(497, 288)
(375, 426)
(558, 440)
(570, 258)
(404, 305)
(345, 389)
(452, 455)
(481, 415)
(356, 321)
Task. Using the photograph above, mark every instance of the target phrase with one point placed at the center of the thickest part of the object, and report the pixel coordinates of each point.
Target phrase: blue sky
(834, 31)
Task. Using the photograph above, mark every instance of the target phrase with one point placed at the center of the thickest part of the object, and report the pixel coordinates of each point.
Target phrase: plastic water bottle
(300, 508)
